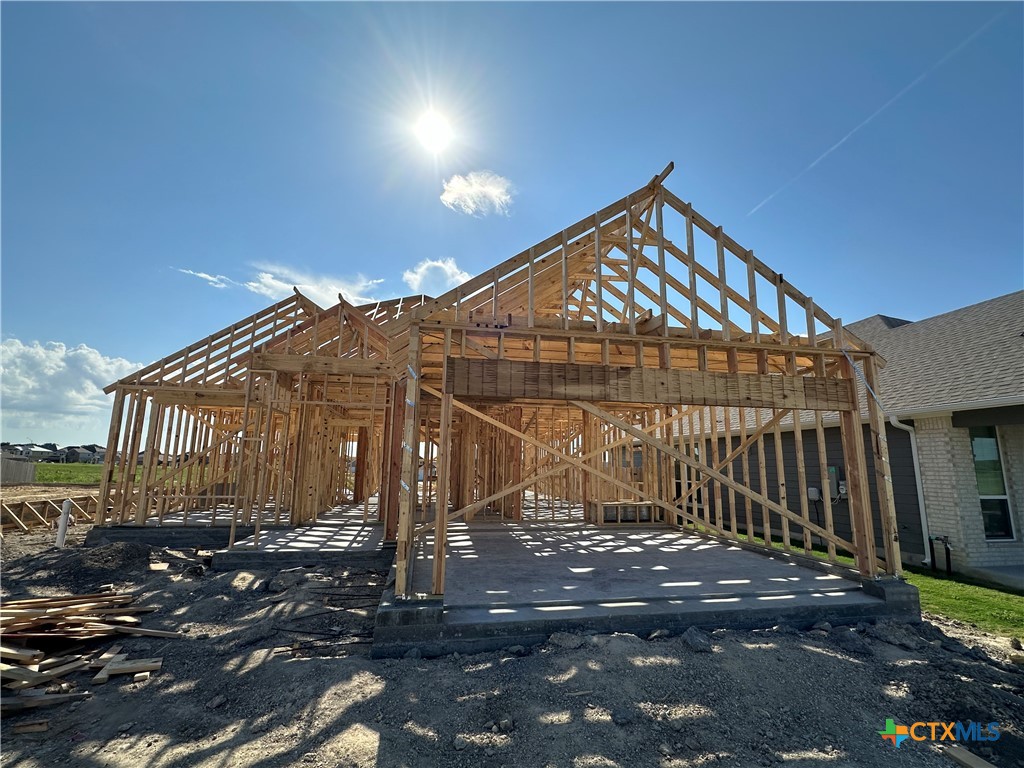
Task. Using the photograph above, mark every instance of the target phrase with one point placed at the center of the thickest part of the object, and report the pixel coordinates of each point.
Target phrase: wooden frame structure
(639, 360)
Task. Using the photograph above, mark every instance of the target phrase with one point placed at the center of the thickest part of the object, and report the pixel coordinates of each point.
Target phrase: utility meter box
(833, 482)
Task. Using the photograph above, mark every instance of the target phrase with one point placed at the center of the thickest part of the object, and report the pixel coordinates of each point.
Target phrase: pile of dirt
(120, 556)
(77, 570)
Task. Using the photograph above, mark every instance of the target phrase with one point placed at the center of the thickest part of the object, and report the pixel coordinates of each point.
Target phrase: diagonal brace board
(554, 455)
(713, 474)
(742, 448)
(576, 462)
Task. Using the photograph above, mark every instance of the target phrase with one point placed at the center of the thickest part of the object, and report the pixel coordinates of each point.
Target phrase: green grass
(999, 610)
(72, 474)
(990, 607)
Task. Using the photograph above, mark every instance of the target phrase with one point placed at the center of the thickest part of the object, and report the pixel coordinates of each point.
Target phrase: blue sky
(266, 144)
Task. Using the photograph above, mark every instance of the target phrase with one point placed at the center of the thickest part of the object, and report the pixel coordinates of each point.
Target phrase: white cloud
(434, 276)
(54, 393)
(478, 193)
(217, 281)
(276, 281)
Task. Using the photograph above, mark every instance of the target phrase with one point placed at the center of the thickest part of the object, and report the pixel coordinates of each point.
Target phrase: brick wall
(1011, 440)
(951, 491)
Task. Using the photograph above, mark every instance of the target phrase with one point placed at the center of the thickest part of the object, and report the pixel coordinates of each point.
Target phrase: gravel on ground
(274, 670)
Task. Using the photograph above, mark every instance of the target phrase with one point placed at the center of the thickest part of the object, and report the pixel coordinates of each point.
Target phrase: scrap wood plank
(98, 623)
(42, 677)
(103, 675)
(21, 655)
(123, 609)
(32, 726)
(963, 757)
(130, 667)
(105, 657)
(70, 599)
(55, 661)
(16, 672)
(15, 703)
(147, 632)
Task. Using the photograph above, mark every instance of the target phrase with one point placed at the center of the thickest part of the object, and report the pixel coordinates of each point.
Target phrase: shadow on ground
(273, 671)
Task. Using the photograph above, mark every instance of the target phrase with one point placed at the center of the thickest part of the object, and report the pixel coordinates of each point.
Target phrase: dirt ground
(274, 671)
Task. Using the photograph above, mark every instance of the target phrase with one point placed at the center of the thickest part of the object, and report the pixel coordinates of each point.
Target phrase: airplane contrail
(950, 54)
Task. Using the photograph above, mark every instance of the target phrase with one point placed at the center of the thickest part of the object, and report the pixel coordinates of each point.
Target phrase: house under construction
(638, 368)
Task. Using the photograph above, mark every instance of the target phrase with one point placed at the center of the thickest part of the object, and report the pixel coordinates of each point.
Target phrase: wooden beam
(320, 364)
(520, 379)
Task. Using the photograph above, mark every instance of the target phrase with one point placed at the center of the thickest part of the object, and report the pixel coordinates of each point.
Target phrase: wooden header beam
(267, 361)
(512, 379)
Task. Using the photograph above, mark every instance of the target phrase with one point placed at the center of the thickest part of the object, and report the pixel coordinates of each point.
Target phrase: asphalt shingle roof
(968, 357)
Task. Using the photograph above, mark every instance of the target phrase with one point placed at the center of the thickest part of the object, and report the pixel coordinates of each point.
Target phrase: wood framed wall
(271, 421)
(638, 359)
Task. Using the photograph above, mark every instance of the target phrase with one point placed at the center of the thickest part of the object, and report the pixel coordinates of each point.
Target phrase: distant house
(77, 454)
(35, 452)
(958, 379)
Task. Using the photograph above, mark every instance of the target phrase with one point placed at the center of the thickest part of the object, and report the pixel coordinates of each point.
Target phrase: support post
(441, 510)
(857, 483)
(410, 461)
(883, 476)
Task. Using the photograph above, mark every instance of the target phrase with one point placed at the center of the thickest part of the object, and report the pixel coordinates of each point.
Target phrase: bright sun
(434, 132)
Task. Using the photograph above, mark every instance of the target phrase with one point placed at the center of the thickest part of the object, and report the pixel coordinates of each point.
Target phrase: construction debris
(32, 726)
(66, 621)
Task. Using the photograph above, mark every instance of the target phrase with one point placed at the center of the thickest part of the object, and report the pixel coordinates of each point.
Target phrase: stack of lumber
(54, 622)
(79, 617)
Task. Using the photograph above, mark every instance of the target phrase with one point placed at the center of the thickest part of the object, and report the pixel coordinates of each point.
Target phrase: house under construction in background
(638, 368)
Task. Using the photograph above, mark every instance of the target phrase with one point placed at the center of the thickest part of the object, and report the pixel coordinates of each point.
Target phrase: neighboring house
(57, 457)
(35, 452)
(958, 379)
(78, 454)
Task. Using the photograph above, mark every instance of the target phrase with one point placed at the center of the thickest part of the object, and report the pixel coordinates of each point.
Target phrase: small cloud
(478, 193)
(276, 281)
(217, 281)
(434, 276)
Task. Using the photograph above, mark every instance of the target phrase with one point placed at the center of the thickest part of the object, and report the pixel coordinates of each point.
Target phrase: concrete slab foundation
(310, 545)
(515, 584)
(171, 536)
(339, 537)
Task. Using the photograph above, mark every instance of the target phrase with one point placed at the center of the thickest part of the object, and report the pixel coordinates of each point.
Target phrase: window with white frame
(988, 468)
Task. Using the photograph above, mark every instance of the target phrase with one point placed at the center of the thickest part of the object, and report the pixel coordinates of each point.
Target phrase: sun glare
(434, 132)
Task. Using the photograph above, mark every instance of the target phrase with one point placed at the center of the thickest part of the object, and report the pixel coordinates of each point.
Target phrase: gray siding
(904, 485)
